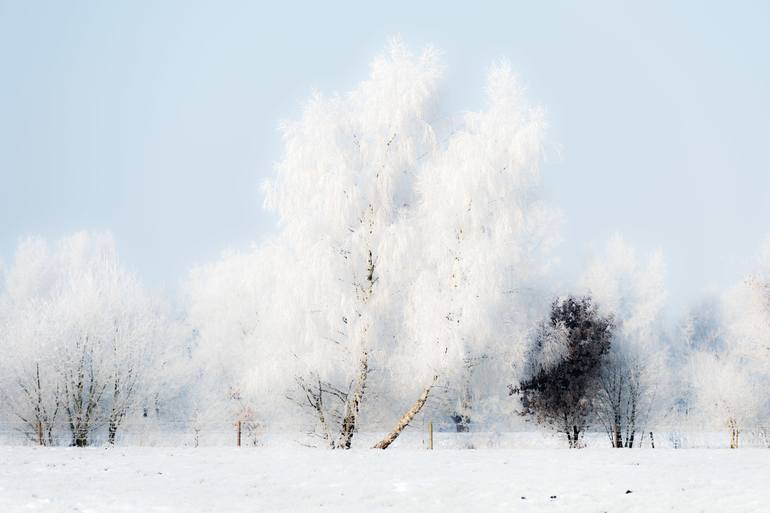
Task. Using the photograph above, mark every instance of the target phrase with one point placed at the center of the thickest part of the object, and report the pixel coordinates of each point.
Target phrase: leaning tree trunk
(406, 418)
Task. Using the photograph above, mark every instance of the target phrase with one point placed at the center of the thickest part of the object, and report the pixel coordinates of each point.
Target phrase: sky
(158, 121)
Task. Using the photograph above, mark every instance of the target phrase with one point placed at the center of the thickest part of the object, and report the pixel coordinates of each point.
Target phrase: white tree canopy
(83, 332)
(409, 241)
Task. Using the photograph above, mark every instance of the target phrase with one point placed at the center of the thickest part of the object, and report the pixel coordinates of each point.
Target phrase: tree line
(411, 273)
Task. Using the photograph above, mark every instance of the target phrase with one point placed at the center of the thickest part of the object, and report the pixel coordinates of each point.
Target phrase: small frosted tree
(632, 291)
(746, 316)
(85, 332)
(731, 377)
(236, 371)
(29, 329)
(726, 392)
(31, 388)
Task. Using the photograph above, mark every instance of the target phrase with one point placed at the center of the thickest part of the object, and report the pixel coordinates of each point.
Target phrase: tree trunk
(80, 437)
(617, 428)
(354, 402)
(631, 427)
(112, 431)
(406, 418)
(733, 425)
(115, 414)
(573, 436)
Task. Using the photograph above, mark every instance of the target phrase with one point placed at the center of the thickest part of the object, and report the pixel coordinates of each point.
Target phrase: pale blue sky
(157, 120)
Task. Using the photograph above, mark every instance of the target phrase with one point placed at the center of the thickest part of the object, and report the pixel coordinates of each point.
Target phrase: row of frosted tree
(411, 273)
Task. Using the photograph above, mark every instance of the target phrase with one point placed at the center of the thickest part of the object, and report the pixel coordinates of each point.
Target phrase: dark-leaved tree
(564, 366)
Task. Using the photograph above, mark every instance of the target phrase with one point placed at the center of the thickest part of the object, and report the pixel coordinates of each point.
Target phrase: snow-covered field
(220, 480)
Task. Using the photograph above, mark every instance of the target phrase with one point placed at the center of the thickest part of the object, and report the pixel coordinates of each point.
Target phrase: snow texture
(149, 480)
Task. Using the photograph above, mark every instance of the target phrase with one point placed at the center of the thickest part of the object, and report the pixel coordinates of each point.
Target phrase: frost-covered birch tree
(411, 241)
(345, 182)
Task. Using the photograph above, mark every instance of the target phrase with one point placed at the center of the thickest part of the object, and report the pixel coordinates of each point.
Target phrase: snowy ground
(221, 480)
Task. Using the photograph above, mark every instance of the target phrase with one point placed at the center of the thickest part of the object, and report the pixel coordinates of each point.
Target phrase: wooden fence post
(430, 435)
(238, 436)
